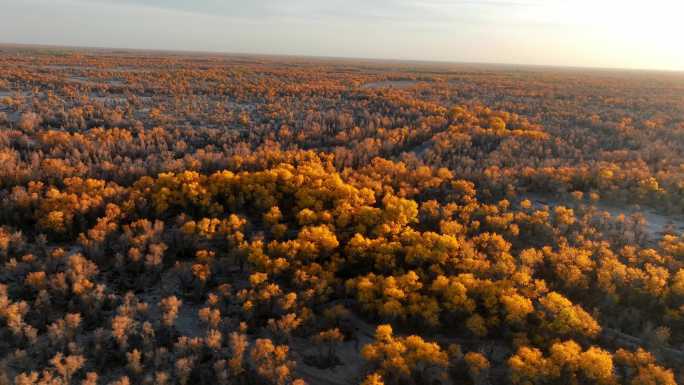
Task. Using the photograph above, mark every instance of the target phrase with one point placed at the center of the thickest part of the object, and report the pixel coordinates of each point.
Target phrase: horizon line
(190, 52)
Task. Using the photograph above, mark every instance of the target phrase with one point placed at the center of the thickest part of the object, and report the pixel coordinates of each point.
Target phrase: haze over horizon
(608, 33)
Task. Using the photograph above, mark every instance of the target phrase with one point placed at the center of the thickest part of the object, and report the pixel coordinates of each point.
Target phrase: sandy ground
(657, 223)
(93, 81)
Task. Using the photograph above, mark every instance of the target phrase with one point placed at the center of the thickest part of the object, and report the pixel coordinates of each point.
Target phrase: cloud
(624, 33)
(348, 11)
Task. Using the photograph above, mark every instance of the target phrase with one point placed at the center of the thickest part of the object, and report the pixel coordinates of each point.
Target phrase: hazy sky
(597, 33)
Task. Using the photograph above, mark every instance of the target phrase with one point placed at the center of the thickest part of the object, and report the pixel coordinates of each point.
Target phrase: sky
(587, 33)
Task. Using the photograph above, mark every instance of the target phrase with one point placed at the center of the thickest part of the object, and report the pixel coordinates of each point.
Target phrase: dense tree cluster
(224, 220)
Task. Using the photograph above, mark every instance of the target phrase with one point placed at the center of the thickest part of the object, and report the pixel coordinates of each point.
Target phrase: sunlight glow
(597, 33)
